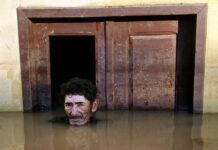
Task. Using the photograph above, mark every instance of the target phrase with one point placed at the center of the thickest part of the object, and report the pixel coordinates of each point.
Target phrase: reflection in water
(123, 130)
(11, 131)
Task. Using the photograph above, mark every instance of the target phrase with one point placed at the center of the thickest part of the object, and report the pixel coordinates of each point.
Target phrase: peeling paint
(11, 94)
(10, 74)
(15, 86)
(16, 94)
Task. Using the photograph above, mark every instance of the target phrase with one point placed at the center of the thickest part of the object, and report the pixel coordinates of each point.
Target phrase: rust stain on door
(153, 71)
(141, 63)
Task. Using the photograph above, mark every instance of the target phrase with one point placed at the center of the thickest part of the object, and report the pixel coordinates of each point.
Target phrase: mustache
(76, 117)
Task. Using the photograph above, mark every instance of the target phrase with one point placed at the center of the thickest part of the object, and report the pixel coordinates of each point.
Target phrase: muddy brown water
(115, 130)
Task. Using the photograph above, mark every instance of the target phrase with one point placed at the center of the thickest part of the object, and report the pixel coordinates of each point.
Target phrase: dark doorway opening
(70, 56)
(185, 62)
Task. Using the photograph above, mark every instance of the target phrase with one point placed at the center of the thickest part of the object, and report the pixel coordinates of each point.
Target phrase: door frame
(27, 16)
(40, 67)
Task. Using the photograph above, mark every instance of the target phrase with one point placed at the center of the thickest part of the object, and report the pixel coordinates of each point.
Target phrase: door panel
(40, 57)
(140, 64)
(153, 71)
(117, 67)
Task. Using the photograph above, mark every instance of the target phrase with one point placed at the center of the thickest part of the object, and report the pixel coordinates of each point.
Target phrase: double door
(135, 61)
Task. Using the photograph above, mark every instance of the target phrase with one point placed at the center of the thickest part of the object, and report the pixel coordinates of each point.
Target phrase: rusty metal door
(140, 62)
(40, 58)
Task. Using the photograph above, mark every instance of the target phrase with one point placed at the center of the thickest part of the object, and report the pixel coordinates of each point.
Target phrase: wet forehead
(75, 98)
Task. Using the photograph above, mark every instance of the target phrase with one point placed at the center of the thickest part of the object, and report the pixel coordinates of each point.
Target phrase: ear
(95, 105)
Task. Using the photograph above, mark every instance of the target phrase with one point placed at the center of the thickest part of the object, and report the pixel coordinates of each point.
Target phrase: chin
(77, 123)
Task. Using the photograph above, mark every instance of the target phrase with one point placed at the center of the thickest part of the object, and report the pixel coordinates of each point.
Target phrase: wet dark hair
(79, 86)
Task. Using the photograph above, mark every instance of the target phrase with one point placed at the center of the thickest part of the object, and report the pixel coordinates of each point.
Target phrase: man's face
(78, 109)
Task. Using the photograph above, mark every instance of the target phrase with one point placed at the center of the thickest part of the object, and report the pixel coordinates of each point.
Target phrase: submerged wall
(10, 81)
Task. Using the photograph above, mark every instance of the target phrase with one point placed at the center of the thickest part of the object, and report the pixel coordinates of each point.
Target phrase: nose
(74, 110)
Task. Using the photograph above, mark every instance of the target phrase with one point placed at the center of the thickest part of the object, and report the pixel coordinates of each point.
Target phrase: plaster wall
(10, 81)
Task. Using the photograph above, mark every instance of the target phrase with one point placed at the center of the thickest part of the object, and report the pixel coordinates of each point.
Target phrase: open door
(41, 36)
(141, 64)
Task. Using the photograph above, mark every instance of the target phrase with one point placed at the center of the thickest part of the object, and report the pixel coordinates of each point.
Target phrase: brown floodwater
(115, 130)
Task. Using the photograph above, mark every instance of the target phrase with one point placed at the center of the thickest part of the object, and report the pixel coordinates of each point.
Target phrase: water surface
(115, 130)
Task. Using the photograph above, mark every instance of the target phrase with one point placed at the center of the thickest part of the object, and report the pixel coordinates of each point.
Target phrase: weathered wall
(10, 82)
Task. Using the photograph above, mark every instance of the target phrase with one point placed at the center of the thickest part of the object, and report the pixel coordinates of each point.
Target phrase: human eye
(80, 103)
(68, 104)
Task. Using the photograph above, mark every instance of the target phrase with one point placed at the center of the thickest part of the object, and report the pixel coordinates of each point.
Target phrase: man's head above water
(80, 100)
